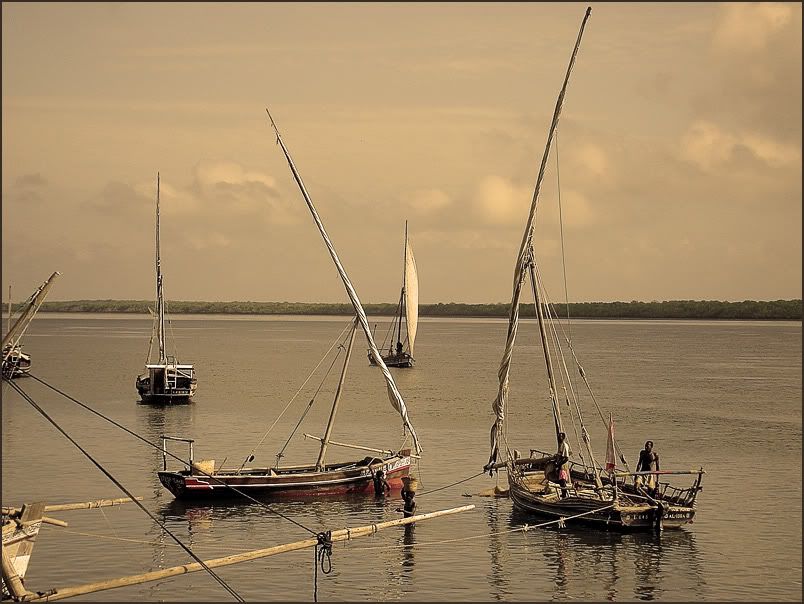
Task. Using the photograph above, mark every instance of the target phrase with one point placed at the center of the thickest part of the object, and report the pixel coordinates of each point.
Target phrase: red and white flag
(611, 457)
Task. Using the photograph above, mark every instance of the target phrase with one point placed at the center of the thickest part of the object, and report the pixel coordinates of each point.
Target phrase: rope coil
(323, 558)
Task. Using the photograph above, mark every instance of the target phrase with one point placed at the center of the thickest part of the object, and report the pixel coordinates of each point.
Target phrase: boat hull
(288, 483)
(603, 514)
(165, 395)
(395, 360)
(16, 364)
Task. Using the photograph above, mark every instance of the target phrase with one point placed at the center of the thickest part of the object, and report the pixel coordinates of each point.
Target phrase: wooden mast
(160, 304)
(402, 298)
(546, 347)
(319, 464)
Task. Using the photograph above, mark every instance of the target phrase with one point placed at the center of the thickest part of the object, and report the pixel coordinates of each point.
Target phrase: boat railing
(166, 438)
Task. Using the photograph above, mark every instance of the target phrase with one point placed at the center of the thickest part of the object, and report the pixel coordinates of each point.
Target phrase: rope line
(119, 485)
(525, 528)
(293, 398)
(166, 452)
(322, 556)
(450, 485)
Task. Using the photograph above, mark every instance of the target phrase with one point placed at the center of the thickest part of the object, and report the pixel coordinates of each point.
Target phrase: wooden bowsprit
(335, 536)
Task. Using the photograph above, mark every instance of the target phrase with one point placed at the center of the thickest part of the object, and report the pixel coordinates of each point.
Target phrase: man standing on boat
(648, 462)
(562, 463)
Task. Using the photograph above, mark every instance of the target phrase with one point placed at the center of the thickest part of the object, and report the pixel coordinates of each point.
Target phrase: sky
(677, 167)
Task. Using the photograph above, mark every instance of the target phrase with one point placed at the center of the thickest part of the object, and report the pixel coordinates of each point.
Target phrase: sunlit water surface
(724, 395)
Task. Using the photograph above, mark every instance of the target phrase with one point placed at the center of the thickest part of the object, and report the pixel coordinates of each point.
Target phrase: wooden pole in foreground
(61, 507)
(339, 535)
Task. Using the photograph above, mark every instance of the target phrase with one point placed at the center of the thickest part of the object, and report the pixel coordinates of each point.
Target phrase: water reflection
(627, 565)
(498, 579)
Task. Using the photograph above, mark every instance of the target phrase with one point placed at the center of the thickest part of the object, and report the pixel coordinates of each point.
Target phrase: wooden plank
(339, 535)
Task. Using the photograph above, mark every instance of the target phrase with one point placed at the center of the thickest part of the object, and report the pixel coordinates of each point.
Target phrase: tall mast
(160, 303)
(546, 347)
(404, 300)
(319, 464)
(397, 402)
(498, 406)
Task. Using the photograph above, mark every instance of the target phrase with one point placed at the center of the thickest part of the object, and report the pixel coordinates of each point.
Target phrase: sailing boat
(538, 484)
(408, 308)
(202, 480)
(166, 381)
(17, 363)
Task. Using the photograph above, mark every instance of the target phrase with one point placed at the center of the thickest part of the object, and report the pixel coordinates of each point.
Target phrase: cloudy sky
(679, 148)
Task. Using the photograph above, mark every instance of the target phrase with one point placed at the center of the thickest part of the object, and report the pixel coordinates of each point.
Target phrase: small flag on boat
(611, 457)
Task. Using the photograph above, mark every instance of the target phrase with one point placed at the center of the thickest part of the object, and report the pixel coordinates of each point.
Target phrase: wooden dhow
(202, 480)
(17, 363)
(400, 349)
(550, 486)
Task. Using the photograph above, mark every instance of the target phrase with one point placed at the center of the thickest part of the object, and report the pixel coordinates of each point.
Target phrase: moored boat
(16, 362)
(400, 350)
(166, 381)
(552, 486)
(201, 479)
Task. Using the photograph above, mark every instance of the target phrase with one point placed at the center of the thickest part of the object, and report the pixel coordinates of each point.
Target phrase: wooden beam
(339, 535)
(61, 507)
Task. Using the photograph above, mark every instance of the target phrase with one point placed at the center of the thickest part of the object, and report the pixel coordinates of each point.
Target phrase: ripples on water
(723, 395)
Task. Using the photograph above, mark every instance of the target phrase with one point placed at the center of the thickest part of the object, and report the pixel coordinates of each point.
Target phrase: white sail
(522, 262)
(411, 295)
(393, 393)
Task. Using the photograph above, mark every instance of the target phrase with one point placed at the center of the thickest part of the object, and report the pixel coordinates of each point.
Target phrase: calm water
(723, 395)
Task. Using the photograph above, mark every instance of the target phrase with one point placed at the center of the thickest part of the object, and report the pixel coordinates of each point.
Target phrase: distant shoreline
(775, 310)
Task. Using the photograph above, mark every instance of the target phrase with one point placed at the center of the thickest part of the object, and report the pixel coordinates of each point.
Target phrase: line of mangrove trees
(674, 309)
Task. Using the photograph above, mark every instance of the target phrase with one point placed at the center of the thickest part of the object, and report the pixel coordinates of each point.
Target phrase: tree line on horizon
(673, 309)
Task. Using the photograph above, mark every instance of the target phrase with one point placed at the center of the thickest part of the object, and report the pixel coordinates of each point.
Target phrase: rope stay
(128, 493)
(252, 453)
(170, 454)
(281, 453)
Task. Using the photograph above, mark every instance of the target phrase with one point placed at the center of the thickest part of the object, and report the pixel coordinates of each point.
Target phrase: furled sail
(411, 294)
(16, 331)
(522, 261)
(393, 393)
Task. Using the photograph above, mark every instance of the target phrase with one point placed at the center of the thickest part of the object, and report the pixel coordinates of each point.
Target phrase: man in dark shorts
(648, 462)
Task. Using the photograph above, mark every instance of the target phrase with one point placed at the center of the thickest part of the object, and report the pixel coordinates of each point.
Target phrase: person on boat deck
(648, 462)
(562, 462)
(399, 348)
(381, 486)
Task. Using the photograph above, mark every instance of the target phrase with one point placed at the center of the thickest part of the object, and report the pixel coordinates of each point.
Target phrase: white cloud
(427, 201)
(708, 146)
(747, 27)
(499, 201)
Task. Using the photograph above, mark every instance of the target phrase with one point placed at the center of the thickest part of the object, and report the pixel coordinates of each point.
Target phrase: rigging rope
(281, 453)
(581, 371)
(166, 452)
(250, 456)
(450, 485)
(520, 529)
(134, 500)
(322, 554)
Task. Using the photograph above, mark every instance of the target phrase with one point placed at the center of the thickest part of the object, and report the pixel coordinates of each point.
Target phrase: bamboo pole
(61, 507)
(339, 535)
(11, 578)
